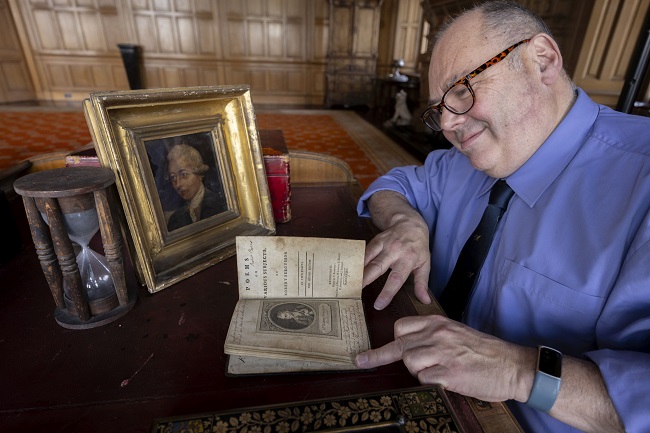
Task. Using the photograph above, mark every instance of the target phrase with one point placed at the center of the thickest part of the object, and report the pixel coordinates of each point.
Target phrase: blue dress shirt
(570, 263)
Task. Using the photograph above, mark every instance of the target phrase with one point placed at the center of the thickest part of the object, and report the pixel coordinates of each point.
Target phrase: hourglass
(65, 208)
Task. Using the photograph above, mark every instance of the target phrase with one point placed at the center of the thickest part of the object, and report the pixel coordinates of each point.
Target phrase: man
(186, 170)
(299, 314)
(568, 267)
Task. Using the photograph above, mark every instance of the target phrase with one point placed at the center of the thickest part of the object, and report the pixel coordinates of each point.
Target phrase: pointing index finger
(381, 356)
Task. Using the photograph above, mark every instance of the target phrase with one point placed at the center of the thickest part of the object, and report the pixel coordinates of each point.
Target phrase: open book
(299, 305)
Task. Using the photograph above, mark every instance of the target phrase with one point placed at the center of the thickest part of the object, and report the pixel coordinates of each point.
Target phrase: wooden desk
(165, 357)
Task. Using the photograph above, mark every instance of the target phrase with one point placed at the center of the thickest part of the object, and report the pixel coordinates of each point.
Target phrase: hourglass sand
(81, 222)
(89, 289)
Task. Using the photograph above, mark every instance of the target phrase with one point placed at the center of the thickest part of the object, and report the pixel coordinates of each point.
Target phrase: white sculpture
(402, 114)
(396, 75)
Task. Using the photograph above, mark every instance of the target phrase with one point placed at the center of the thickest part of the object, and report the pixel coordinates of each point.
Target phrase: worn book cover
(299, 305)
(277, 165)
(86, 157)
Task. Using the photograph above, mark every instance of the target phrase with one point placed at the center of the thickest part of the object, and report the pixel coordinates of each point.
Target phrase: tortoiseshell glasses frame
(459, 98)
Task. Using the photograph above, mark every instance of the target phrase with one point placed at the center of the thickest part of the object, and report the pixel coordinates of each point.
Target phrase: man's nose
(450, 120)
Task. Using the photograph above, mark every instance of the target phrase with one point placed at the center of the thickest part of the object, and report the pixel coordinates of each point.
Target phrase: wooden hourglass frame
(48, 196)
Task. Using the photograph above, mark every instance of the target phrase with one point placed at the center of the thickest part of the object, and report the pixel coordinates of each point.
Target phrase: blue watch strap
(544, 392)
(548, 379)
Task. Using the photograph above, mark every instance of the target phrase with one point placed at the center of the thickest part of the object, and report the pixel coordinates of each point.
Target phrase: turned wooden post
(51, 197)
(45, 251)
(112, 241)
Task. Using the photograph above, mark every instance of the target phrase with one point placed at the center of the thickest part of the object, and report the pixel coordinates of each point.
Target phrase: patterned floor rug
(26, 133)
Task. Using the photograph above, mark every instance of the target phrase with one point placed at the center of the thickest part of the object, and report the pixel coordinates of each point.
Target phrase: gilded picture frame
(176, 153)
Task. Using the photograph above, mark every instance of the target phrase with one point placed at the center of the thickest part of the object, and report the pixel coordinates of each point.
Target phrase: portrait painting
(189, 173)
(292, 315)
(307, 316)
(187, 177)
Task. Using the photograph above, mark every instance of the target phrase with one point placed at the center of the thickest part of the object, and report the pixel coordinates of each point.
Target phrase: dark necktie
(454, 298)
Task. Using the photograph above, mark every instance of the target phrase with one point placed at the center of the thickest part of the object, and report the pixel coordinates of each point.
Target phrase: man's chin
(484, 166)
(478, 163)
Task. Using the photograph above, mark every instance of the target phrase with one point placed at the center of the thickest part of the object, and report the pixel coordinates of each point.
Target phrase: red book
(85, 157)
(276, 162)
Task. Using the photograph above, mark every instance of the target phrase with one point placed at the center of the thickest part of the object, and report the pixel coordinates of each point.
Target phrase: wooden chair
(56, 159)
(48, 161)
(312, 167)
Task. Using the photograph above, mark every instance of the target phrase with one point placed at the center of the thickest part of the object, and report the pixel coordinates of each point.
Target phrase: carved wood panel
(173, 28)
(15, 84)
(72, 46)
(352, 57)
(272, 29)
(278, 46)
(611, 37)
(401, 31)
(290, 51)
(408, 31)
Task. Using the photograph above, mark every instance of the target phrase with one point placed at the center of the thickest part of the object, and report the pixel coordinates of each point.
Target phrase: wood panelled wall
(610, 40)
(402, 29)
(291, 52)
(315, 52)
(352, 53)
(279, 47)
(15, 82)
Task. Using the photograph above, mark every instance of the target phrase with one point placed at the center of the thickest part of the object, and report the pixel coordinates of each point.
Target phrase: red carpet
(25, 134)
(321, 133)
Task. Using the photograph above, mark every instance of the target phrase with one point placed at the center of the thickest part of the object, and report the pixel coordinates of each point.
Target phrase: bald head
(502, 57)
(502, 21)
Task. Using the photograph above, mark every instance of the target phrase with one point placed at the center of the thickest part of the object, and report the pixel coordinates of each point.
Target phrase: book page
(299, 267)
(251, 365)
(321, 330)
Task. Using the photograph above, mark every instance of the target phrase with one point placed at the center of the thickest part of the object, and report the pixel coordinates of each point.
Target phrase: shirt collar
(533, 178)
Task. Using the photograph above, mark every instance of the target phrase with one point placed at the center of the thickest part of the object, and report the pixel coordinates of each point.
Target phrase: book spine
(277, 174)
(81, 161)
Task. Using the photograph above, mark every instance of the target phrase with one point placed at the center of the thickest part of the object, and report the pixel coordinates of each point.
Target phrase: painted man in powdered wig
(186, 170)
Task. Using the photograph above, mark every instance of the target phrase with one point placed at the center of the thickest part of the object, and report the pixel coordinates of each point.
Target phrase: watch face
(550, 361)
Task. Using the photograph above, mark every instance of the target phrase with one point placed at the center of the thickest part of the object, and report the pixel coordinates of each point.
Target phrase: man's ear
(547, 57)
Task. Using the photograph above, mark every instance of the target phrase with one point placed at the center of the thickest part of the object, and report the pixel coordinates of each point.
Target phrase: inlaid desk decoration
(165, 358)
(425, 409)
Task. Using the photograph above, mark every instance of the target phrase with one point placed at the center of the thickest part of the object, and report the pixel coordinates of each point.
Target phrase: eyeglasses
(459, 98)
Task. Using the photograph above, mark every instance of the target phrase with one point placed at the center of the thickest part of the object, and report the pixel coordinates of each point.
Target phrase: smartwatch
(548, 379)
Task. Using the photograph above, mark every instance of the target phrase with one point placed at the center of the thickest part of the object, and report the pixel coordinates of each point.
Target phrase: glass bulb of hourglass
(81, 226)
(95, 275)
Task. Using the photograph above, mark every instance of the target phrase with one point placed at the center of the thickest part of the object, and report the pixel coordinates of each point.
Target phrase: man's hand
(403, 247)
(438, 350)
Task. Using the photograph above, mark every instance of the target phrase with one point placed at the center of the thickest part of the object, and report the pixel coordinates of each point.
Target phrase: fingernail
(362, 359)
(379, 305)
